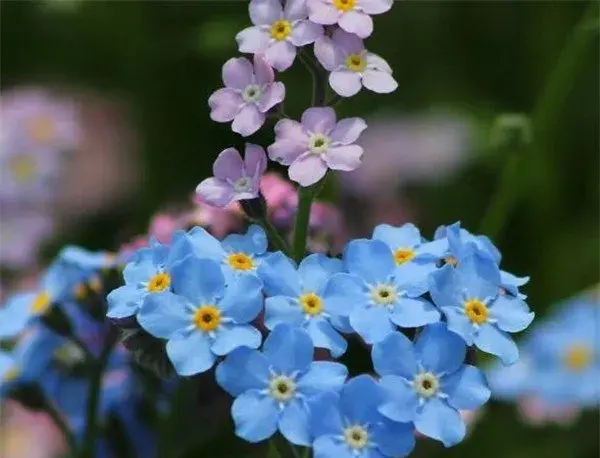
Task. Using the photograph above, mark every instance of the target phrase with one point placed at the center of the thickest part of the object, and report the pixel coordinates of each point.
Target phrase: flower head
(277, 31)
(316, 144)
(426, 383)
(272, 387)
(235, 179)
(354, 16)
(250, 92)
(352, 66)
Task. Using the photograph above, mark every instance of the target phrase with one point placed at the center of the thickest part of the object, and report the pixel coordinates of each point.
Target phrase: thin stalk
(305, 198)
(273, 235)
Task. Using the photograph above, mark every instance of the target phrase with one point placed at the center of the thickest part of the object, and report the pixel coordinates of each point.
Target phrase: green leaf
(273, 452)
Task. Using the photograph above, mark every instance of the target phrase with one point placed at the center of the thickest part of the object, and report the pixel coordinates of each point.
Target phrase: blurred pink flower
(535, 412)
(21, 236)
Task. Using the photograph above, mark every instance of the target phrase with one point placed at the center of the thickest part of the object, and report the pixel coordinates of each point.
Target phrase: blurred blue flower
(374, 296)
(348, 425)
(300, 296)
(203, 317)
(272, 387)
(469, 297)
(427, 383)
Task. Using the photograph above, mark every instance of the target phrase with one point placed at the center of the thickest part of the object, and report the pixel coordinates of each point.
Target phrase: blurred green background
(162, 60)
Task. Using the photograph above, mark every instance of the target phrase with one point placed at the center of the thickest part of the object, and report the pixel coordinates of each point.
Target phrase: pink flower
(250, 92)
(352, 15)
(352, 66)
(316, 144)
(162, 227)
(278, 31)
(218, 221)
(235, 179)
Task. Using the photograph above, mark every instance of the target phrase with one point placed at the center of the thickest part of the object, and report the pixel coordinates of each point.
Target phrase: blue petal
(394, 439)
(190, 353)
(125, 301)
(139, 271)
(458, 323)
(200, 281)
(399, 401)
(243, 370)
(163, 314)
(201, 243)
(253, 242)
(316, 269)
(15, 315)
(330, 446)
(294, 423)
(394, 355)
(492, 340)
(243, 299)
(324, 411)
(6, 363)
(360, 398)
(371, 260)
(281, 309)
(413, 277)
(288, 349)
(466, 388)
(435, 249)
(480, 277)
(230, 337)
(322, 376)
(510, 382)
(371, 323)
(342, 293)
(325, 336)
(279, 275)
(413, 313)
(439, 350)
(445, 289)
(512, 314)
(255, 416)
(440, 421)
(341, 323)
(406, 236)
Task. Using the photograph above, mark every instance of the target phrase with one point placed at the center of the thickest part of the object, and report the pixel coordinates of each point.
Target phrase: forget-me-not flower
(351, 15)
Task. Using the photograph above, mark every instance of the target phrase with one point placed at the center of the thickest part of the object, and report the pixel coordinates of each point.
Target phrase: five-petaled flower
(352, 15)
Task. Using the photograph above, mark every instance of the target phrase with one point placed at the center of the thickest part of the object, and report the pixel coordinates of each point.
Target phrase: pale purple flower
(277, 31)
(250, 92)
(21, 235)
(352, 15)
(352, 66)
(235, 179)
(316, 144)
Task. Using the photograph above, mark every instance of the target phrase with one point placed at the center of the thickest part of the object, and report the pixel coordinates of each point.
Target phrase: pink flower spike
(316, 144)
(277, 31)
(250, 92)
(354, 16)
(352, 66)
(235, 179)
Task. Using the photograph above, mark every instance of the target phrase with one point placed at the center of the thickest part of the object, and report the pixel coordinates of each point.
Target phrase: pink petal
(281, 55)
(237, 73)
(290, 130)
(214, 192)
(375, 6)
(305, 32)
(255, 159)
(225, 104)
(319, 119)
(228, 165)
(263, 71)
(380, 82)
(322, 13)
(329, 55)
(344, 158)
(286, 151)
(358, 23)
(375, 62)
(252, 40)
(265, 12)
(274, 94)
(345, 82)
(248, 120)
(348, 42)
(348, 130)
(295, 10)
(307, 169)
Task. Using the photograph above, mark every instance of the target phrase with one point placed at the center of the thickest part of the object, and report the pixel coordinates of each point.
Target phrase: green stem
(305, 198)
(273, 235)
(61, 424)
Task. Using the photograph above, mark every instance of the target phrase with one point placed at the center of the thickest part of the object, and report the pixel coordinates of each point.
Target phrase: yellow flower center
(356, 62)
(159, 282)
(476, 311)
(451, 260)
(41, 303)
(23, 168)
(344, 5)
(207, 318)
(281, 29)
(240, 261)
(426, 384)
(384, 294)
(11, 375)
(282, 388)
(311, 304)
(41, 129)
(402, 255)
(356, 437)
(95, 284)
(578, 357)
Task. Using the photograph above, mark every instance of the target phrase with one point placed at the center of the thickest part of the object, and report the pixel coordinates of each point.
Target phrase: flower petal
(315, 270)
(265, 12)
(325, 414)
(328, 54)
(439, 350)
(492, 340)
(467, 388)
(348, 130)
(325, 336)
(248, 120)
(372, 324)
(252, 40)
(360, 398)
(394, 439)
(281, 55)
(279, 275)
(200, 281)
(345, 158)
(123, 302)
(413, 313)
(238, 73)
(345, 82)
(322, 376)
(215, 192)
(263, 71)
(295, 10)
(243, 299)
(243, 369)
(255, 160)
(163, 314)
(280, 309)
(322, 13)
(440, 421)
(394, 355)
(341, 294)
(319, 119)
(512, 314)
(305, 32)
(307, 169)
(255, 416)
(294, 423)
(288, 349)
(230, 337)
(190, 353)
(349, 43)
(375, 6)
(371, 260)
(356, 22)
(378, 81)
(224, 103)
(274, 94)
(228, 165)
(400, 401)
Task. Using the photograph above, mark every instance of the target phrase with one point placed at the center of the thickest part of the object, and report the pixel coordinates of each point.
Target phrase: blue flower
(462, 244)
(300, 297)
(374, 296)
(9, 372)
(348, 425)
(272, 387)
(474, 309)
(147, 275)
(237, 254)
(427, 383)
(203, 317)
(87, 260)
